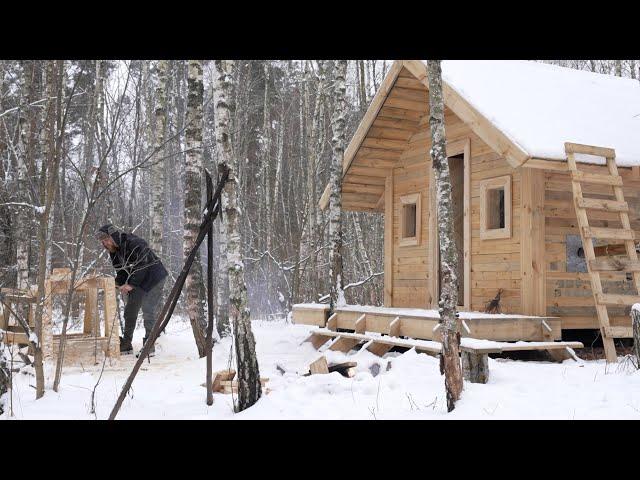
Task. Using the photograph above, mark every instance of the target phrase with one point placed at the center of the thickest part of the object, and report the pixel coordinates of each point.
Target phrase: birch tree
(192, 203)
(5, 374)
(158, 162)
(49, 175)
(249, 388)
(316, 145)
(338, 123)
(450, 357)
(22, 214)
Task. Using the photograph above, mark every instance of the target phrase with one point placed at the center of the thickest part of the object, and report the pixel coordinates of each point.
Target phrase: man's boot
(152, 352)
(125, 347)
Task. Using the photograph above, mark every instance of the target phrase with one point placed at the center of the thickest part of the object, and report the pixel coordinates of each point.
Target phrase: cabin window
(410, 215)
(495, 208)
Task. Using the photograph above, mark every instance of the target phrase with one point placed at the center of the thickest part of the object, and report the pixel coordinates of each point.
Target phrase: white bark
(338, 124)
(22, 214)
(158, 162)
(194, 284)
(450, 359)
(249, 388)
(316, 148)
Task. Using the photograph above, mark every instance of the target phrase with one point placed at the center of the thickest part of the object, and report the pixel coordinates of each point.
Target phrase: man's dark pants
(150, 302)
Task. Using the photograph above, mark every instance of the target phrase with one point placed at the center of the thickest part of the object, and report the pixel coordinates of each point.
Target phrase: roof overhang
(365, 183)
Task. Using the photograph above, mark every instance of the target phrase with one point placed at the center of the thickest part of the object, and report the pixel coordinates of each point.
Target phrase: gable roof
(539, 106)
(521, 109)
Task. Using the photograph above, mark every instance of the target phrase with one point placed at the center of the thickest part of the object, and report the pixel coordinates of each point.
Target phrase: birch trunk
(158, 162)
(249, 388)
(338, 123)
(266, 159)
(362, 86)
(316, 144)
(5, 373)
(450, 357)
(22, 214)
(195, 295)
(278, 173)
(222, 304)
(50, 162)
(136, 147)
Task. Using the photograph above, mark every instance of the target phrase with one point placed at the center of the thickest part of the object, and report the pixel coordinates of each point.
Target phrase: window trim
(494, 184)
(410, 199)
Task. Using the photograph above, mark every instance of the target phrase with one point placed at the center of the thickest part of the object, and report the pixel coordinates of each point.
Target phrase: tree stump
(635, 321)
(475, 367)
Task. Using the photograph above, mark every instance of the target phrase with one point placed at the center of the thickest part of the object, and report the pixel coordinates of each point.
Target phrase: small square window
(410, 223)
(495, 208)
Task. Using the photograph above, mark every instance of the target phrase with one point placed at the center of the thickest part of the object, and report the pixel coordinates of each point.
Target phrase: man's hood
(113, 232)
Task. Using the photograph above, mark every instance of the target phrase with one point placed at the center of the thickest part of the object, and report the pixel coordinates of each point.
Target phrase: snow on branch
(36, 208)
(354, 284)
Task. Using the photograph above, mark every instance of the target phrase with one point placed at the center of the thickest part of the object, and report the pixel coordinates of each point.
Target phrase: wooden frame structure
(82, 347)
(527, 261)
(91, 343)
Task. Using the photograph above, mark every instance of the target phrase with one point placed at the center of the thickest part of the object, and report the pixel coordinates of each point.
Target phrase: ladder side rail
(589, 253)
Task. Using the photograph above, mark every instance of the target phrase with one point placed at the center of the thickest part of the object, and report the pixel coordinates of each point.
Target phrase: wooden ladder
(626, 234)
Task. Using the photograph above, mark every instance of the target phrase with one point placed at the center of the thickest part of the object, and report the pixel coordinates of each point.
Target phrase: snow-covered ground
(170, 386)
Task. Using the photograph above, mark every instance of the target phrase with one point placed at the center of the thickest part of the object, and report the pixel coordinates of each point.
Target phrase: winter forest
(84, 143)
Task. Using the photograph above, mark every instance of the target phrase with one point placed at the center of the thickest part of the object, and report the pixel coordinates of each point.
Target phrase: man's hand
(126, 288)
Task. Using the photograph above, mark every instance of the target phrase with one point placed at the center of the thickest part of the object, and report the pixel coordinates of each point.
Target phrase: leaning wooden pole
(211, 212)
(210, 305)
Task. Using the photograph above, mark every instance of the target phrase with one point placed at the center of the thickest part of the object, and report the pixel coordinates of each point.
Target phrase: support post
(475, 367)
(635, 321)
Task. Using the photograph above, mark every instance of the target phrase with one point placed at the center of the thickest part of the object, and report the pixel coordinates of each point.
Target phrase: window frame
(503, 182)
(410, 199)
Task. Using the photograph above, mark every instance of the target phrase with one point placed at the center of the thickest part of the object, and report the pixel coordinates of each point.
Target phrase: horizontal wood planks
(569, 293)
(422, 327)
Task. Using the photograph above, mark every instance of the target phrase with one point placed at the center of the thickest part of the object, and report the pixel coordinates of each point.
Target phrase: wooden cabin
(507, 123)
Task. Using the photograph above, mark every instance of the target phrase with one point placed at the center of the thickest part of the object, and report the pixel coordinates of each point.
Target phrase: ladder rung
(615, 265)
(616, 299)
(604, 205)
(618, 332)
(609, 233)
(589, 150)
(596, 178)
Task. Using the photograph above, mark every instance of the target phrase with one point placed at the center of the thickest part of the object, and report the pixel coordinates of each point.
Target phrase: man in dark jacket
(140, 276)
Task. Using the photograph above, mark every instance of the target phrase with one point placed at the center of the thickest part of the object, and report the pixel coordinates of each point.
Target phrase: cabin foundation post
(475, 366)
(635, 321)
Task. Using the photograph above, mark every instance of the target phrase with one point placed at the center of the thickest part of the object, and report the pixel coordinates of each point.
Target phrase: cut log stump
(319, 366)
(475, 367)
(219, 377)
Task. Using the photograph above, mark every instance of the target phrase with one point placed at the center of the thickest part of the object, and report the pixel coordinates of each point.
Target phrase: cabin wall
(568, 284)
(495, 263)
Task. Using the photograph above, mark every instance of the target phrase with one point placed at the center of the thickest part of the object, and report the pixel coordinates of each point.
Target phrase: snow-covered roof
(539, 106)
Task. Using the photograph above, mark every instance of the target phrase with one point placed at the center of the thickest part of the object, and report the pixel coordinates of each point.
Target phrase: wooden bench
(474, 353)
